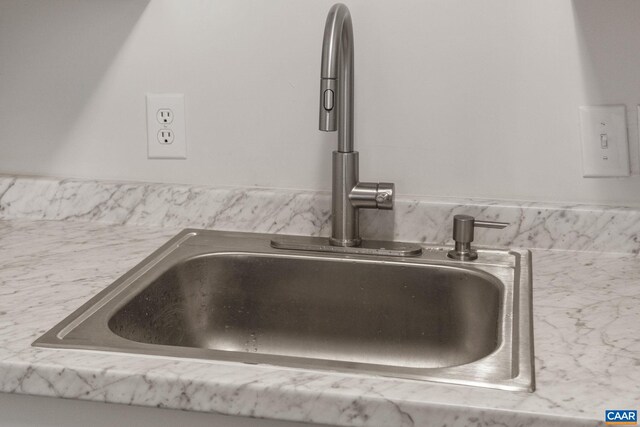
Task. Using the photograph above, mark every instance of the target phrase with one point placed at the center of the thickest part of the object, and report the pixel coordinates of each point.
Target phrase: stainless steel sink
(231, 296)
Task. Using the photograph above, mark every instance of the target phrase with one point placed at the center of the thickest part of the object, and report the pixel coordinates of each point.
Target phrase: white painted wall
(453, 97)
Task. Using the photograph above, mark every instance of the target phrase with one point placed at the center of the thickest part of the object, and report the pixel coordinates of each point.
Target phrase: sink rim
(515, 347)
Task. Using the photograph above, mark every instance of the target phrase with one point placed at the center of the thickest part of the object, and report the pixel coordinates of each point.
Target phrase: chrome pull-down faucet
(349, 195)
(336, 113)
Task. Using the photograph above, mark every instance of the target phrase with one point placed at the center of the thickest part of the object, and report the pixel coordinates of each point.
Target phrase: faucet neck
(336, 75)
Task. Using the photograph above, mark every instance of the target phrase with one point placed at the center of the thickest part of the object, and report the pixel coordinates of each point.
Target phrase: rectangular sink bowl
(232, 297)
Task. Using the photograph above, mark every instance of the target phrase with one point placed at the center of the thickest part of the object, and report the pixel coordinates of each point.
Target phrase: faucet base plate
(368, 247)
(463, 256)
(345, 242)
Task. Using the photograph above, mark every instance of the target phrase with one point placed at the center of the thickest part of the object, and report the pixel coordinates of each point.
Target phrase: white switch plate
(605, 147)
(158, 107)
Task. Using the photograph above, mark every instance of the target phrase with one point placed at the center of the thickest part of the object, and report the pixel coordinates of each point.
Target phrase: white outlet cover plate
(178, 148)
(605, 145)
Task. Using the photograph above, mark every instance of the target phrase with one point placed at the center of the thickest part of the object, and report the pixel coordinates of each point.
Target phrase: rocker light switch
(605, 148)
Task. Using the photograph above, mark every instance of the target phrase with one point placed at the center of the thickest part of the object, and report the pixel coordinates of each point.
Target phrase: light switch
(605, 147)
(604, 141)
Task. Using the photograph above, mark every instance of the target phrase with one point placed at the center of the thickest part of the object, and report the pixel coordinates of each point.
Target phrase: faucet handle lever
(373, 195)
(463, 228)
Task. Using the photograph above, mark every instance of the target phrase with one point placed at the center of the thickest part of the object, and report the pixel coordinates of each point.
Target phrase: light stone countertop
(587, 344)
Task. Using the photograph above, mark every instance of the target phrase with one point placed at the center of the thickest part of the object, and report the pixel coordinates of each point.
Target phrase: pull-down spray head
(336, 77)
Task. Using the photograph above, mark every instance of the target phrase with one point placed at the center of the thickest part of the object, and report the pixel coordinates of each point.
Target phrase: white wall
(453, 97)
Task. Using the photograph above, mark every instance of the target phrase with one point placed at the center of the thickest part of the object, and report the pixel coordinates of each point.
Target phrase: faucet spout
(349, 195)
(336, 77)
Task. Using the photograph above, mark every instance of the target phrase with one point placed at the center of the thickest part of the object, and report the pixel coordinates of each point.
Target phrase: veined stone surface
(61, 242)
(532, 225)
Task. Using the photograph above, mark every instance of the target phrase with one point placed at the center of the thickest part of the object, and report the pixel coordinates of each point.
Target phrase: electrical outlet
(166, 135)
(165, 116)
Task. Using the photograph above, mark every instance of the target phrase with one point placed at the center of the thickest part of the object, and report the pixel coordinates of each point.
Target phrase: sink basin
(334, 309)
(231, 296)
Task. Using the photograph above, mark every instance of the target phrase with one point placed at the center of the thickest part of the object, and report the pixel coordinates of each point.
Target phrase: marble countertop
(587, 344)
